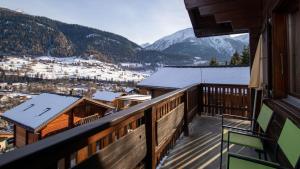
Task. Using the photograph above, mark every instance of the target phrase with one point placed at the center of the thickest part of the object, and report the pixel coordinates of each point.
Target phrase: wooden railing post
(150, 118)
(200, 109)
(186, 114)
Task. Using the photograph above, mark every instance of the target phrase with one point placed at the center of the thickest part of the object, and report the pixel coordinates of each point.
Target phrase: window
(294, 53)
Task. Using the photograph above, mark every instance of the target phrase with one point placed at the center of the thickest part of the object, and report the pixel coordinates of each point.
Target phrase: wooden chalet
(146, 135)
(49, 114)
(108, 97)
(127, 101)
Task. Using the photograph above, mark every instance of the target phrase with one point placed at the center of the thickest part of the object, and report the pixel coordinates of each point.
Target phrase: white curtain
(256, 79)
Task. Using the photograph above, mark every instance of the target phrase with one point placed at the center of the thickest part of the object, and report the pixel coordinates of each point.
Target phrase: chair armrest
(254, 160)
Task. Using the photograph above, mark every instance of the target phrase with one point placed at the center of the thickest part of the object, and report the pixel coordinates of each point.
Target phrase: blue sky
(138, 20)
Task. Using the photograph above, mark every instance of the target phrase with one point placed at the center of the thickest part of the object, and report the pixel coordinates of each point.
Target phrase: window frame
(291, 57)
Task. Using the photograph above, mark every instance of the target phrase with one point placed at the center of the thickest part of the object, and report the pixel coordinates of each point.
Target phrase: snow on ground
(132, 65)
(70, 67)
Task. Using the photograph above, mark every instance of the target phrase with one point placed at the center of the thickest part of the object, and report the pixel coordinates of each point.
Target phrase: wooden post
(67, 161)
(186, 114)
(15, 134)
(150, 121)
(200, 106)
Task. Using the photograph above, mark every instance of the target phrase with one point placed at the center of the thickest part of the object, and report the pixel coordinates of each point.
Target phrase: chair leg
(221, 151)
(266, 156)
(259, 154)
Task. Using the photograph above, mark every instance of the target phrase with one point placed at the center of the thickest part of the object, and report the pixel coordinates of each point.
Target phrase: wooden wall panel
(82, 154)
(159, 92)
(60, 123)
(125, 153)
(20, 136)
(32, 138)
(279, 55)
(167, 125)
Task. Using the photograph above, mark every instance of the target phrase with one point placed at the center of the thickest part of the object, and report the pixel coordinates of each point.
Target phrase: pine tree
(213, 62)
(245, 56)
(236, 59)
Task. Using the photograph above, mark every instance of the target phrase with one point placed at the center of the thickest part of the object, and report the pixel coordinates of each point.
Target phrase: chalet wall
(143, 91)
(59, 124)
(276, 51)
(159, 92)
(68, 119)
(85, 110)
(31, 137)
(20, 139)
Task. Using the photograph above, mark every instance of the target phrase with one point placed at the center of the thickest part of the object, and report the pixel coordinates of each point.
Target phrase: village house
(48, 114)
(4, 136)
(108, 97)
(124, 102)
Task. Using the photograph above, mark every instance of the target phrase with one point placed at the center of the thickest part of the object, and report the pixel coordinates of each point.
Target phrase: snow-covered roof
(128, 89)
(106, 95)
(39, 110)
(136, 97)
(173, 77)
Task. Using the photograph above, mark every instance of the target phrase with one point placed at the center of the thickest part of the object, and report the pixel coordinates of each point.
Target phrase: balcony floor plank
(201, 150)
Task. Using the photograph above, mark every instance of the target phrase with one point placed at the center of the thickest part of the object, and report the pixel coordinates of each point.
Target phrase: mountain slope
(23, 34)
(32, 35)
(185, 42)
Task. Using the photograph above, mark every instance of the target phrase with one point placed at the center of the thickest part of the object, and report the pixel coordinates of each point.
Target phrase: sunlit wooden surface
(202, 148)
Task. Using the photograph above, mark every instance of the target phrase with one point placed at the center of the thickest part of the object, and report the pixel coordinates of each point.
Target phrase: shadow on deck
(202, 148)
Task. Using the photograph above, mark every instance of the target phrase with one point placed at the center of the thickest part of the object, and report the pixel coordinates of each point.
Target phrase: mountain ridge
(24, 34)
(184, 41)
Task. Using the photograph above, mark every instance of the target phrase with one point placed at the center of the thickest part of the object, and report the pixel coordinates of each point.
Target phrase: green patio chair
(288, 142)
(246, 137)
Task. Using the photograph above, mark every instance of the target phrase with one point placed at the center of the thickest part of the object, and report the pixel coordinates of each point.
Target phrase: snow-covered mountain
(185, 42)
(172, 39)
(145, 45)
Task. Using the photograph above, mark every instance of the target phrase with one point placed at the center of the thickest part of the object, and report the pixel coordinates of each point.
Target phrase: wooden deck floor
(201, 150)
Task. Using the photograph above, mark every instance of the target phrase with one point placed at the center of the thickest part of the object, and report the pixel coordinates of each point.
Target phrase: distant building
(130, 90)
(4, 135)
(171, 78)
(48, 114)
(3, 86)
(125, 102)
(108, 97)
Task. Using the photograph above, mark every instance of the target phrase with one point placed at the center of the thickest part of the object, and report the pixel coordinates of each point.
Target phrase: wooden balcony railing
(220, 99)
(138, 137)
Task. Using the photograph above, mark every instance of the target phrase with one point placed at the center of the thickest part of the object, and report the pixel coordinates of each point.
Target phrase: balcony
(143, 135)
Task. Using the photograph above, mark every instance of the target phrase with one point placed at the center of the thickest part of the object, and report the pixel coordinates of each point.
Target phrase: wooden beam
(150, 123)
(228, 6)
(237, 14)
(186, 115)
(196, 3)
(279, 53)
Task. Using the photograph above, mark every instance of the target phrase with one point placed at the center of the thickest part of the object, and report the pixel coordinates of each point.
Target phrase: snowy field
(72, 67)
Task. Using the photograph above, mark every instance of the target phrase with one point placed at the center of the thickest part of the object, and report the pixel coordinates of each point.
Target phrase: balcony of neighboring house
(191, 120)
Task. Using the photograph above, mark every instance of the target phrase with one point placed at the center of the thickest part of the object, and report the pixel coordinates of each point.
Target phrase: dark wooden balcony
(144, 135)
